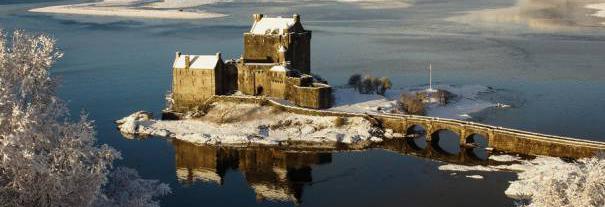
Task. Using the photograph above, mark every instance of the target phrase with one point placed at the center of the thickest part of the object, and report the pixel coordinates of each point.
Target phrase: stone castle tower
(278, 40)
(276, 62)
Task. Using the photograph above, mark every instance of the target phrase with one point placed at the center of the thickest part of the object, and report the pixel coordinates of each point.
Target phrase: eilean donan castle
(276, 63)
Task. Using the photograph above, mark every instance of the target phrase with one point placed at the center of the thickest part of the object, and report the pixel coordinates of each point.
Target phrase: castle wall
(318, 96)
(278, 84)
(192, 87)
(252, 74)
(253, 79)
(245, 80)
(264, 49)
(300, 52)
(229, 77)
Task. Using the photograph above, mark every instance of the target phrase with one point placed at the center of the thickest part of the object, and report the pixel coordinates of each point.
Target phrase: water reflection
(274, 174)
(280, 174)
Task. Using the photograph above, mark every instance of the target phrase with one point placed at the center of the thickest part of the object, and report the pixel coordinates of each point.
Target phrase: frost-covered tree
(45, 158)
(553, 182)
(127, 189)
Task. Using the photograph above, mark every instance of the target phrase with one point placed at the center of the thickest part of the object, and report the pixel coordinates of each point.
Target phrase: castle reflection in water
(272, 173)
(280, 174)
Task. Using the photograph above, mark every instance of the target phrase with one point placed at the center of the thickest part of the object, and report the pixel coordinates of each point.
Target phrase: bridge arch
(437, 126)
(416, 136)
(480, 143)
(445, 141)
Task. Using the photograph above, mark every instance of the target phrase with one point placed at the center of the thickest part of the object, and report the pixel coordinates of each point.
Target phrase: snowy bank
(600, 10)
(378, 4)
(546, 16)
(237, 123)
(126, 8)
(467, 101)
(550, 181)
(183, 9)
(177, 4)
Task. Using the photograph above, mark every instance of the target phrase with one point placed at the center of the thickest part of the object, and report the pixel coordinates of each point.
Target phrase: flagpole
(430, 77)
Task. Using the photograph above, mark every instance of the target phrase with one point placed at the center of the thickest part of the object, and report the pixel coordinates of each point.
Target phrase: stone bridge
(498, 138)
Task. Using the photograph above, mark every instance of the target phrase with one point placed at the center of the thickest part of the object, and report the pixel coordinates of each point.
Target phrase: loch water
(551, 72)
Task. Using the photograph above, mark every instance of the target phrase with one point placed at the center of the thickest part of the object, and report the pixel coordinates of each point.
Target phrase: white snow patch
(378, 4)
(280, 68)
(504, 158)
(178, 4)
(600, 10)
(349, 100)
(550, 181)
(466, 168)
(208, 62)
(126, 8)
(272, 25)
(478, 177)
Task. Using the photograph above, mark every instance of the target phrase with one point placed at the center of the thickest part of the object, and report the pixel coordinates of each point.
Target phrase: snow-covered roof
(274, 25)
(280, 68)
(281, 49)
(208, 62)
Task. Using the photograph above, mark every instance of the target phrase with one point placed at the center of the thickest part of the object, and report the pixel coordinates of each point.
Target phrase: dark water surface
(113, 67)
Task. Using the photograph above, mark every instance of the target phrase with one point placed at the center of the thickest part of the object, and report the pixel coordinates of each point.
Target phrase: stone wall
(253, 78)
(264, 49)
(278, 84)
(317, 96)
(193, 87)
(230, 77)
(300, 52)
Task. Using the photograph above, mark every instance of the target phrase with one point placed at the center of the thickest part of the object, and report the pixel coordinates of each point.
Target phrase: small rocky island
(267, 96)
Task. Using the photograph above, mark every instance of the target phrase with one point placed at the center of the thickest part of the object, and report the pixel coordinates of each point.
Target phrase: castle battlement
(275, 63)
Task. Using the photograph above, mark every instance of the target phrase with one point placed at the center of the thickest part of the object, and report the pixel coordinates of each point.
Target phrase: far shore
(600, 7)
(125, 11)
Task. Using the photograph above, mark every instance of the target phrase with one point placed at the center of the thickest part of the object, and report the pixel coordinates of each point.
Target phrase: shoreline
(125, 11)
(600, 7)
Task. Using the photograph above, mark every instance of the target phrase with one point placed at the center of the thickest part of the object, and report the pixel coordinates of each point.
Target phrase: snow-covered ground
(379, 4)
(549, 181)
(177, 4)
(133, 9)
(600, 10)
(185, 9)
(232, 123)
(467, 101)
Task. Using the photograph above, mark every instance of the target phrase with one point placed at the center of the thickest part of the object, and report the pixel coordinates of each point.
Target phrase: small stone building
(275, 63)
(195, 79)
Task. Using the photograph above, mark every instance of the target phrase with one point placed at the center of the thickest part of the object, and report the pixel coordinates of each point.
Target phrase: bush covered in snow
(46, 159)
(368, 84)
(127, 189)
(554, 182)
(411, 104)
